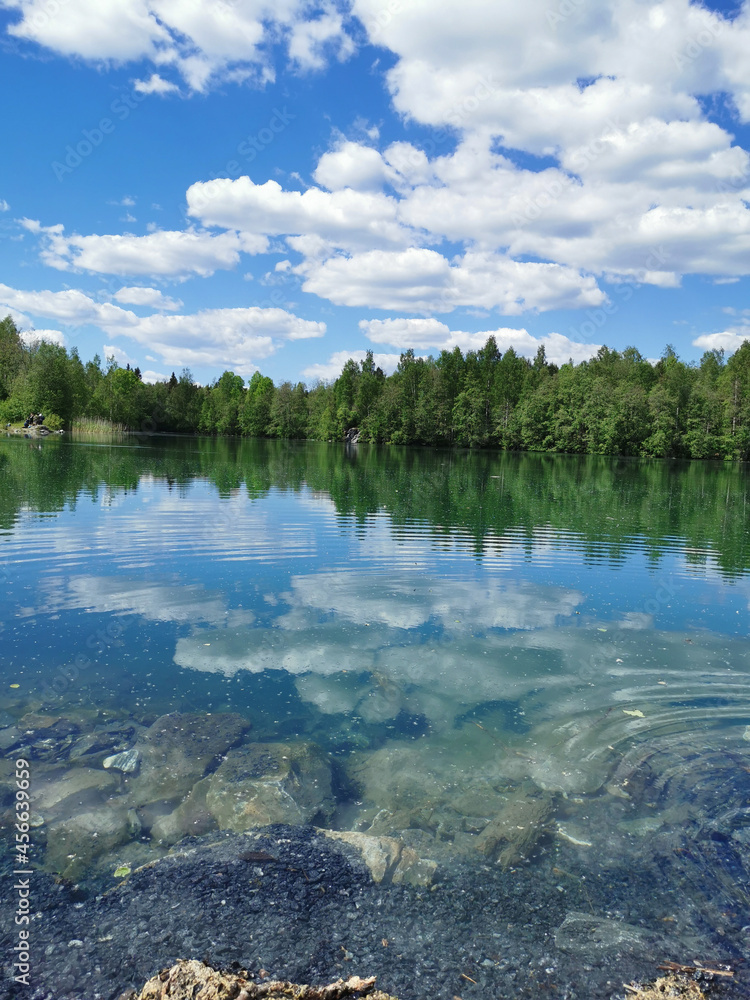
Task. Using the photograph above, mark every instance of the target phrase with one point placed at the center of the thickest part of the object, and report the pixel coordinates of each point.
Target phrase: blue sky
(244, 185)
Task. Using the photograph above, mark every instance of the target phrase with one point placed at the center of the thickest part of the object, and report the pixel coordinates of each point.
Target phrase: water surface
(456, 631)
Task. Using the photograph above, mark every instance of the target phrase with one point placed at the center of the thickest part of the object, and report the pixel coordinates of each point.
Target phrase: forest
(617, 403)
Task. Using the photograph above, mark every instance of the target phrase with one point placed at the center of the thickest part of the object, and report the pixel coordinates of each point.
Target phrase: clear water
(450, 627)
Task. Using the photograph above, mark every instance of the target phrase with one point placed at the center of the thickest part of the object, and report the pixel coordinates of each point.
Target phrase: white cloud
(509, 66)
(346, 218)
(51, 336)
(151, 376)
(422, 280)
(329, 370)
(645, 201)
(155, 85)
(139, 296)
(224, 338)
(311, 42)
(164, 252)
(406, 332)
(205, 43)
(425, 333)
(72, 307)
(121, 357)
(4, 206)
(729, 340)
(639, 183)
(352, 165)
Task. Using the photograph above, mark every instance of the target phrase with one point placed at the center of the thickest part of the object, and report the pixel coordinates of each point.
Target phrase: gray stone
(380, 854)
(93, 744)
(191, 818)
(388, 859)
(77, 788)
(10, 737)
(127, 761)
(270, 783)
(72, 844)
(178, 750)
(514, 831)
(414, 870)
(583, 933)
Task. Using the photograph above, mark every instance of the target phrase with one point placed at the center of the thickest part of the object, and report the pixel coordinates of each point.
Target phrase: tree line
(617, 403)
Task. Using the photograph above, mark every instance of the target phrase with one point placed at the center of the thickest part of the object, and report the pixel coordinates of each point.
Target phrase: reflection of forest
(606, 502)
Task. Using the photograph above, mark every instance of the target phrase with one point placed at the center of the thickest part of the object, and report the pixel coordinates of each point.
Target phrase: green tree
(289, 411)
(47, 386)
(704, 436)
(182, 403)
(13, 356)
(510, 377)
(345, 390)
(368, 389)
(220, 412)
(255, 412)
(734, 382)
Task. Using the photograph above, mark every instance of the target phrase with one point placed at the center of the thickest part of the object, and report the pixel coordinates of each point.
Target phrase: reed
(97, 427)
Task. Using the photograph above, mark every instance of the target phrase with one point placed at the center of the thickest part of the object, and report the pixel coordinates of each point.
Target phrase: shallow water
(462, 634)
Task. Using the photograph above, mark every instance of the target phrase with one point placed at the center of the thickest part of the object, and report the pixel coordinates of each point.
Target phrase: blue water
(450, 628)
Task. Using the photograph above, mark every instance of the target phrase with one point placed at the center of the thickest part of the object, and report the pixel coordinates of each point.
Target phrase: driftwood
(690, 969)
(192, 980)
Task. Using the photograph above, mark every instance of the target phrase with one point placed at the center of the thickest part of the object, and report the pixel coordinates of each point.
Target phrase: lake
(534, 669)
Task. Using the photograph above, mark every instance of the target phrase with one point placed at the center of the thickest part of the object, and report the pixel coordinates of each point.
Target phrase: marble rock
(266, 783)
(380, 854)
(413, 869)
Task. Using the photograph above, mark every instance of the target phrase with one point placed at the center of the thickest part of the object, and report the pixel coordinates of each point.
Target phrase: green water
(454, 630)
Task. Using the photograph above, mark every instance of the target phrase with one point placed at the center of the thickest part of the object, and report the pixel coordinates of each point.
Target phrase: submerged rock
(388, 859)
(93, 745)
(72, 844)
(192, 818)
(81, 786)
(380, 854)
(127, 761)
(514, 831)
(585, 934)
(266, 783)
(10, 737)
(178, 749)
